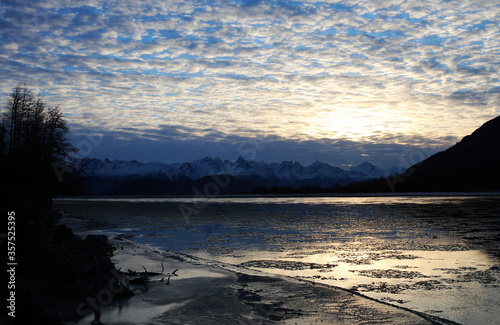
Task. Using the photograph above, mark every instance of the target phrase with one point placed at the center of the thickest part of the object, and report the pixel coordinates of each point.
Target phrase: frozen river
(435, 254)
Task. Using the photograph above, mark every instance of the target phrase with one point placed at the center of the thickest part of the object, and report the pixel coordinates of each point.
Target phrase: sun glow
(355, 125)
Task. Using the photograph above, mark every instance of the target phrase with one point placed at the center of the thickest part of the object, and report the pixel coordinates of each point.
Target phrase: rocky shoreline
(56, 270)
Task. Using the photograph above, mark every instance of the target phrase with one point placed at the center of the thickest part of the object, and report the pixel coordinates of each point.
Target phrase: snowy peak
(120, 168)
(243, 163)
(364, 166)
(202, 167)
(367, 170)
(290, 170)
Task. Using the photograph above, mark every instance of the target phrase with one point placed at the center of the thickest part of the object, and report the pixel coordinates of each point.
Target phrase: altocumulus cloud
(338, 81)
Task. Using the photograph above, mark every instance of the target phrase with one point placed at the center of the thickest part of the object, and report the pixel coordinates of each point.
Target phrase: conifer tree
(33, 137)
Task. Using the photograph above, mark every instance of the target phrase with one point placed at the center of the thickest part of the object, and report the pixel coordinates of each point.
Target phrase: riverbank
(185, 289)
(51, 269)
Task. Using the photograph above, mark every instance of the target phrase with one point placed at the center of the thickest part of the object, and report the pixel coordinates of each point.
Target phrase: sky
(390, 82)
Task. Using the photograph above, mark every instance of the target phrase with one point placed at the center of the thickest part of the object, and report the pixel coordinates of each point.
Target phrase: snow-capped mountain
(285, 173)
(365, 171)
(119, 168)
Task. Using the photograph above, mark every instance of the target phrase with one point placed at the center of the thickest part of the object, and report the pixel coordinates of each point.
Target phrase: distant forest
(379, 185)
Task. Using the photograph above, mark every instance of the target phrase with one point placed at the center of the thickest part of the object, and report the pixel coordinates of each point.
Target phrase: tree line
(33, 140)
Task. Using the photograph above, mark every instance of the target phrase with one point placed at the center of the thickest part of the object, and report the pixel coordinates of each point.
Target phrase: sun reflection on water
(433, 254)
(435, 282)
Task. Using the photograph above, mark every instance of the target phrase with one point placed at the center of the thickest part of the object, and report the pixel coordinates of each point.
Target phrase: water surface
(435, 254)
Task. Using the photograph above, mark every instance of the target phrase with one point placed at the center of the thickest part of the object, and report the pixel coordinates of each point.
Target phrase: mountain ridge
(105, 175)
(472, 164)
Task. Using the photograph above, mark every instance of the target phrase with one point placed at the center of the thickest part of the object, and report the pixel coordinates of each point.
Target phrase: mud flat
(183, 289)
(434, 255)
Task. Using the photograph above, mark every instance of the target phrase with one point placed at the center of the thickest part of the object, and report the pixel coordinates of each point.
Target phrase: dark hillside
(473, 164)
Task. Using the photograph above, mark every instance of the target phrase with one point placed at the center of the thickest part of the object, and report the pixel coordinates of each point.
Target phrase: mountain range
(473, 164)
(118, 177)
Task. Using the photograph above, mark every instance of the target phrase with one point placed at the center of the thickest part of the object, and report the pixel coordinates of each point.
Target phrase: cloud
(178, 144)
(357, 71)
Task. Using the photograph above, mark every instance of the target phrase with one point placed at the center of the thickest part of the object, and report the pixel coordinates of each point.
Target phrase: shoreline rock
(56, 269)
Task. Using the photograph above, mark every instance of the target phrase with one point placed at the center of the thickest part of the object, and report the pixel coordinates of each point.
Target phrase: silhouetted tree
(32, 139)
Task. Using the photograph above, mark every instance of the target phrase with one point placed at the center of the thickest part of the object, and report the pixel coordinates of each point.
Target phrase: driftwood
(143, 278)
(147, 274)
(123, 282)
